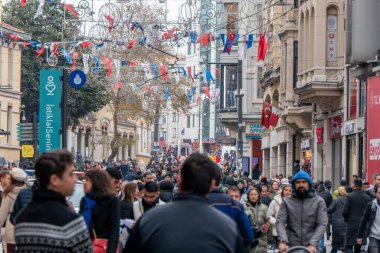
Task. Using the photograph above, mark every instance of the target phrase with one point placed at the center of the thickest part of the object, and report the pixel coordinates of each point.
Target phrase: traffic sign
(77, 79)
(27, 151)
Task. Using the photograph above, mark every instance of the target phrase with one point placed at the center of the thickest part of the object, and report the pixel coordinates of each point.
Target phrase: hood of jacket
(302, 175)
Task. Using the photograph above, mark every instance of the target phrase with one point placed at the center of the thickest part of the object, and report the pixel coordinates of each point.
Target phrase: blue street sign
(50, 111)
(77, 79)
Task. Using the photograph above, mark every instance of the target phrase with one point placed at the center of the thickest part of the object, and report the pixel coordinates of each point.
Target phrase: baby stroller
(298, 249)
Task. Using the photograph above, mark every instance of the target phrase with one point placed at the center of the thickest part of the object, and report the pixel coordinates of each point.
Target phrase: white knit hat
(18, 174)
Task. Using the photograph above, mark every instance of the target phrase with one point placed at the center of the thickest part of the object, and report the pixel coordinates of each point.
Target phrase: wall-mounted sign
(305, 144)
(255, 130)
(50, 111)
(336, 127)
(349, 127)
(319, 130)
(332, 38)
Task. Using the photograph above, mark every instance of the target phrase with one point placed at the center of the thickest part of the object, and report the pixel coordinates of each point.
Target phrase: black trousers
(353, 248)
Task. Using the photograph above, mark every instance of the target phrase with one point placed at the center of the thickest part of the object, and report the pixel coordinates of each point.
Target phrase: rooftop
(6, 28)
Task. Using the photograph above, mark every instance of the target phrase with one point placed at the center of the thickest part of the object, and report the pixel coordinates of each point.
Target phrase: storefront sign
(50, 111)
(336, 127)
(332, 38)
(373, 126)
(349, 127)
(255, 131)
(305, 144)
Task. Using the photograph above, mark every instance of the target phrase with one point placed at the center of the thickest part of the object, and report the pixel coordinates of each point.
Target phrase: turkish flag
(263, 47)
(274, 117)
(265, 115)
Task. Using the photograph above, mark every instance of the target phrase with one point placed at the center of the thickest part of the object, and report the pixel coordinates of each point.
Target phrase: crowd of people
(183, 205)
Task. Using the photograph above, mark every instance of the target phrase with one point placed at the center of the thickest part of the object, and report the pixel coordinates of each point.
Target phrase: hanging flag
(118, 85)
(136, 25)
(250, 41)
(208, 76)
(232, 39)
(124, 63)
(142, 41)
(116, 62)
(205, 39)
(66, 53)
(223, 38)
(189, 72)
(219, 72)
(148, 88)
(184, 71)
(132, 63)
(96, 68)
(166, 97)
(107, 63)
(263, 46)
(265, 115)
(71, 10)
(40, 9)
(280, 36)
(193, 37)
(39, 52)
(169, 34)
(54, 48)
(14, 37)
(23, 2)
(111, 22)
(26, 43)
(99, 45)
(155, 70)
(85, 58)
(85, 44)
(163, 72)
(148, 74)
(275, 116)
(206, 91)
(131, 43)
(241, 51)
(75, 57)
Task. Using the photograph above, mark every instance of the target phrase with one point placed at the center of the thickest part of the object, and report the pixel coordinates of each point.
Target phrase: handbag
(100, 245)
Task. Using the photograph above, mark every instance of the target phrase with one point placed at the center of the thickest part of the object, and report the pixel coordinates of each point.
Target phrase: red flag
(39, 52)
(207, 91)
(118, 85)
(85, 44)
(54, 49)
(111, 22)
(189, 72)
(75, 57)
(205, 39)
(169, 34)
(23, 2)
(107, 62)
(71, 9)
(15, 37)
(131, 43)
(25, 44)
(132, 63)
(163, 72)
(232, 37)
(263, 47)
(265, 115)
(275, 116)
(219, 72)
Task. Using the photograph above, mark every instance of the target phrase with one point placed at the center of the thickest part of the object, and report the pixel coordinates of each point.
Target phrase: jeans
(374, 245)
(356, 248)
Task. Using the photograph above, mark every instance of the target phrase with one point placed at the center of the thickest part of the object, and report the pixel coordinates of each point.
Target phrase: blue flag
(96, 68)
(250, 41)
(155, 70)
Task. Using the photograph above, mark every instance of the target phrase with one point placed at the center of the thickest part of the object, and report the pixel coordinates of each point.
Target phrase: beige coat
(5, 209)
(138, 209)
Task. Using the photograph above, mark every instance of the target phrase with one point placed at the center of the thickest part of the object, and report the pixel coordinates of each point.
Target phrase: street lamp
(4, 133)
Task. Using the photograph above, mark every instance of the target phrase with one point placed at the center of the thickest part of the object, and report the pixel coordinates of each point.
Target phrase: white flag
(241, 52)
(40, 9)
(86, 68)
(117, 66)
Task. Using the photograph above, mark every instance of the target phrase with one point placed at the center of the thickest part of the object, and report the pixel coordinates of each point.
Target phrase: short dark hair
(3, 173)
(52, 163)
(151, 187)
(147, 174)
(115, 172)
(377, 186)
(234, 189)
(358, 182)
(218, 176)
(101, 183)
(197, 173)
(366, 183)
(376, 175)
(343, 182)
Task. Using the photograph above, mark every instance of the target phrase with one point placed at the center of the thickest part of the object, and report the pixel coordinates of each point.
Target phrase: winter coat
(339, 226)
(105, 220)
(166, 195)
(302, 222)
(368, 219)
(23, 199)
(258, 214)
(352, 212)
(126, 209)
(138, 208)
(6, 208)
(326, 195)
(272, 213)
(47, 222)
(187, 225)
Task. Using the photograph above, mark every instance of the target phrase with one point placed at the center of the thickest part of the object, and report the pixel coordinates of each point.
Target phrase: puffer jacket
(272, 213)
(258, 214)
(302, 222)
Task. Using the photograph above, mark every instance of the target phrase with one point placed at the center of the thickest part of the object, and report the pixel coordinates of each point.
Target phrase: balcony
(298, 116)
(324, 89)
(270, 76)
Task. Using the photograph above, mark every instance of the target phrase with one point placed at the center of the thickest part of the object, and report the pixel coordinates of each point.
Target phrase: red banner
(265, 115)
(373, 126)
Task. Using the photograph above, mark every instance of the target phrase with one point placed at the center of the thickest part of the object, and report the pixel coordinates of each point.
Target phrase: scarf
(89, 203)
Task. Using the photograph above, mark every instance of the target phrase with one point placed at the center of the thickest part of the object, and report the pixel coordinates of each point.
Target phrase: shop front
(253, 136)
(335, 132)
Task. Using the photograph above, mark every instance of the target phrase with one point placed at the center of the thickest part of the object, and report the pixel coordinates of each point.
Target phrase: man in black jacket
(187, 224)
(47, 224)
(353, 211)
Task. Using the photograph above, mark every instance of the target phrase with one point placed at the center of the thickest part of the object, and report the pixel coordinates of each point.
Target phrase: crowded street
(210, 126)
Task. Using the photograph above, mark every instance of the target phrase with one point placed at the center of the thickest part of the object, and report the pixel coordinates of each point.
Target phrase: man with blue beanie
(302, 219)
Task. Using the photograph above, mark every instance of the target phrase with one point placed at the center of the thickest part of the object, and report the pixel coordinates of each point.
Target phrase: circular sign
(162, 139)
(77, 79)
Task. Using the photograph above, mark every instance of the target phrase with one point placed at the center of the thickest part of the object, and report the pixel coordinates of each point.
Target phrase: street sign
(77, 79)
(156, 143)
(25, 132)
(50, 111)
(156, 148)
(27, 151)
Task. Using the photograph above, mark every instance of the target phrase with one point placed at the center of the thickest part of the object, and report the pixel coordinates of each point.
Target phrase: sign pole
(35, 140)
(64, 110)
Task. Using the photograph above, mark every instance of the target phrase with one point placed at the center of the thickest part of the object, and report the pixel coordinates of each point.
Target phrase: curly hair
(101, 183)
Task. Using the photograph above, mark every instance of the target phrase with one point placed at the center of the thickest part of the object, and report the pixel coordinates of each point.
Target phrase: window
(174, 117)
(231, 11)
(229, 86)
(174, 134)
(296, 3)
(332, 35)
(163, 120)
(193, 120)
(164, 135)
(188, 121)
(295, 64)
(260, 93)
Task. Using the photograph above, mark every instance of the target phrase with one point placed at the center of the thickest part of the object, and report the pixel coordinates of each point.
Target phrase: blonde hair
(342, 191)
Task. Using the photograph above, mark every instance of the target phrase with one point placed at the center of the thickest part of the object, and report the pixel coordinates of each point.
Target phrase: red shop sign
(336, 127)
(319, 130)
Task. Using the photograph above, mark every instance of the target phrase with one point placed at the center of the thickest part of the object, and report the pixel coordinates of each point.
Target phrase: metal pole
(64, 110)
(35, 138)
(240, 110)
(201, 126)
